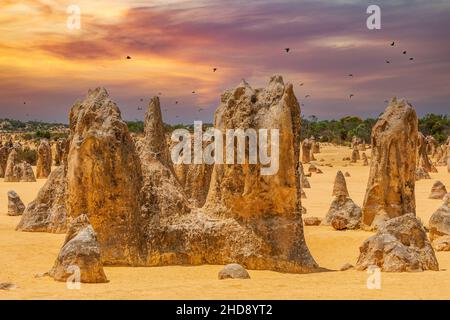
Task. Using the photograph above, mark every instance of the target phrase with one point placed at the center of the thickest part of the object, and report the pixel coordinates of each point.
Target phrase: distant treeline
(337, 131)
(342, 131)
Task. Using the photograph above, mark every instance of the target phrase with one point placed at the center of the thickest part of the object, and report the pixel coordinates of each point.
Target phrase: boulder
(438, 191)
(15, 205)
(400, 245)
(312, 221)
(390, 190)
(233, 271)
(80, 252)
(439, 225)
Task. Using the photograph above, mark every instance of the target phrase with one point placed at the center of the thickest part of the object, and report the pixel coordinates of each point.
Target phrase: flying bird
(176, 102)
(411, 59)
(301, 84)
(139, 108)
(128, 58)
(350, 75)
(393, 43)
(387, 61)
(351, 95)
(24, 102)
(287, 50)
(215, 69)
(142, 99)
(307, 96)
(193, 92)
(200, 109)
(404, 52)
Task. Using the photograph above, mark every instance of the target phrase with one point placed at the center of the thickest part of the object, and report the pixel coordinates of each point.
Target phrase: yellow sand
(22, 255)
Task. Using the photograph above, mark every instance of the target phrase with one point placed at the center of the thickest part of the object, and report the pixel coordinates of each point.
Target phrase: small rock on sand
(233, 271)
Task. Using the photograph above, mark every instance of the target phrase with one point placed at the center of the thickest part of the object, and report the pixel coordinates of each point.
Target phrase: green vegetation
(342, 131)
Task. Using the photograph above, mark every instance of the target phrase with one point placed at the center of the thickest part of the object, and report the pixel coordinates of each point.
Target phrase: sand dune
(22, 255)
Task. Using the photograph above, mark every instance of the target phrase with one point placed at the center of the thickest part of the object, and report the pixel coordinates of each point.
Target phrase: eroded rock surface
(400, 245)
(390, 189)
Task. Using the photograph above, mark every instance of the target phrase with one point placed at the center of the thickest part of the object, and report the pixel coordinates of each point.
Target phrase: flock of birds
(287, 50)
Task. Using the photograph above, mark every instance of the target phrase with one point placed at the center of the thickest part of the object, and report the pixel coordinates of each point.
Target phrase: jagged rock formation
(438, 191)
(102, 157)
(44, 161)
(47, 213)
(80, 253)
(4, 152)
(422, 157)
(343, 213)
(390, 189)
(194, 178)
(304, 182)
(400, 245)
(59, 152)
(163, 196)
(15, 205)
(316, 147)
(12, 171)
(439, 226)
(355, 155)
(233, 271)
(267, 208)
(306, 151)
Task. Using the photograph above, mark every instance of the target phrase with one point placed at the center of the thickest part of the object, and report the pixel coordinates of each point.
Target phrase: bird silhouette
(176, 102)
(350, 75)
(215, 69)
(301, 84)
(287, 50)
(193, 92)
(393, 43)
(128, 58)
(387, 61)
(200, 109)
(142, 99)
(411, 59)
(404, 52)
(351, 95)
(307, 96)
(24, 102)
(139, 108)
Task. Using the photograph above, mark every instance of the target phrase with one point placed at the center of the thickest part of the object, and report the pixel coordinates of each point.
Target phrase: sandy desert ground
(22, 255)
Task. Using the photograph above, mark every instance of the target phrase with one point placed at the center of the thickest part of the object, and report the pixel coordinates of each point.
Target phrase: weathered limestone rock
(362, 146)
(194, 179)
(304, 182)
(306, 151)
(233, 271)
(15, 205)
(400, 245)
(365, 160)
(102, 157)
(355, 155)
(390, 189)
(340, 186)
(44, 161)
(312, 169)
(269, 206)
(12, 172)
(163, 197)
(422, 174)
(47, 213)
(4, 152)
(316, 147)
(343, 213)
(347, 174)
(80, 252)
(27, 173)
(438, 191)
(312, 221)
(59, 152)
(422, 157)
(439, 226)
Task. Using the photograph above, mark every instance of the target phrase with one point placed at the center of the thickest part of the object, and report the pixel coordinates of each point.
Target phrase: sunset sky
(175, 45)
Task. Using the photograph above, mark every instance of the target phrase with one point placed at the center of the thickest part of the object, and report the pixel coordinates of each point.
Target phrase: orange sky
(175, 44)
